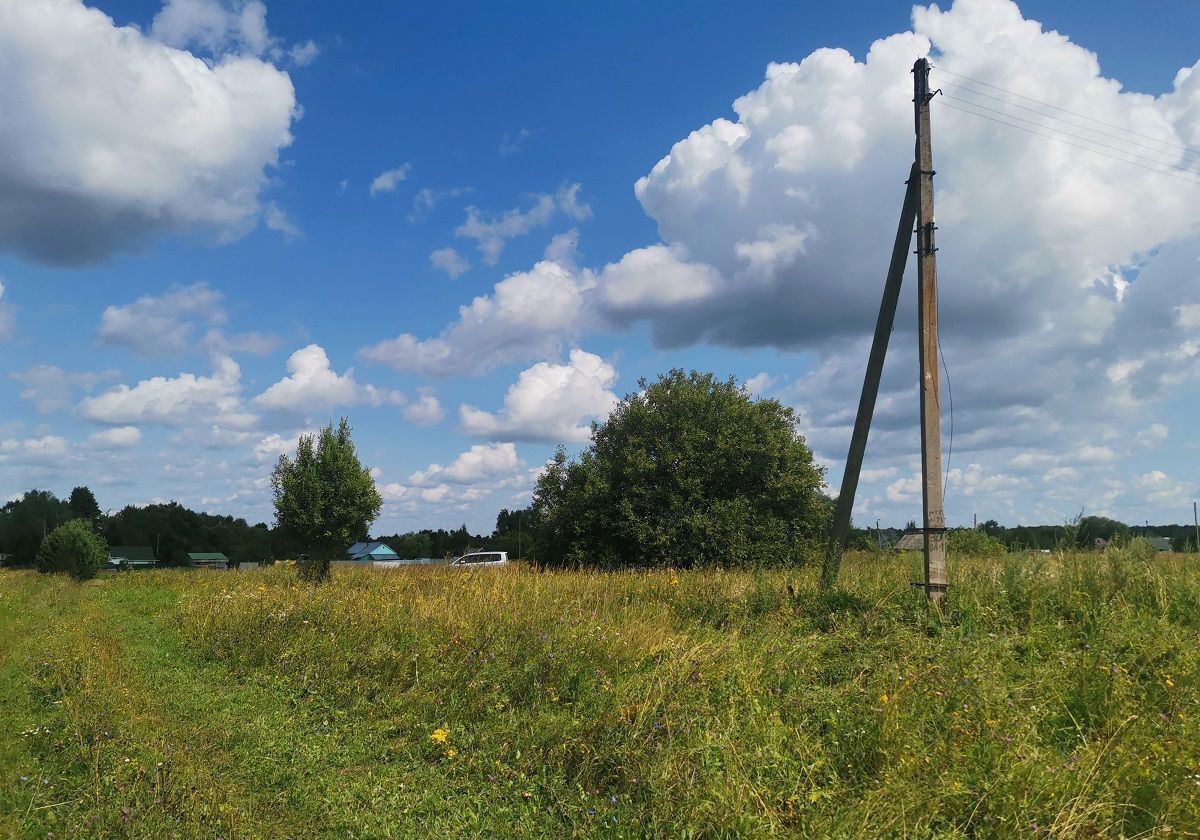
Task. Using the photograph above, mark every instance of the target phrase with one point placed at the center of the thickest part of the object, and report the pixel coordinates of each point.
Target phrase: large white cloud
(186, 399)
(653, 282)
(550, 403)
(312, 384)
(474, 475)
(111, 136)
(794, 204)
(528, 314)
(479, 463)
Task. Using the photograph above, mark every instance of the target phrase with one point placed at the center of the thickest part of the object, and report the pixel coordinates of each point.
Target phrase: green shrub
(968, 542)
(73, 548)
(314, 568)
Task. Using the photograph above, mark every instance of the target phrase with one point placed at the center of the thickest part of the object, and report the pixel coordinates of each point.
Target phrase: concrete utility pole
(918, 208)
(927, 309)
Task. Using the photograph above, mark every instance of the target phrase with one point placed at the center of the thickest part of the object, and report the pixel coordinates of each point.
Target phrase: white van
(477, 559)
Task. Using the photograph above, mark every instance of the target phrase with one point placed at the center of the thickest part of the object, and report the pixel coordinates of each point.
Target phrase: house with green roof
(130, 557)
(208, 560)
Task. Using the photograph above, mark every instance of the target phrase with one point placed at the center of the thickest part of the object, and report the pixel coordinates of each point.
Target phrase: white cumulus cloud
(112, 136)
(528, 314)
(425, 410)
(312, 384)
(186, 399)
(121, 437)
(550, 403)
(479, 463)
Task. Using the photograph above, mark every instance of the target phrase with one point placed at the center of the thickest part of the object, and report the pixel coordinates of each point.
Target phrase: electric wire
(950, 393)
(1070, 134)
(1182, 149)
(937, 70)
(1075, 145)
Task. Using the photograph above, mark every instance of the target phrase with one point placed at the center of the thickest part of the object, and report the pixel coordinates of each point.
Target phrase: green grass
(1055, 697)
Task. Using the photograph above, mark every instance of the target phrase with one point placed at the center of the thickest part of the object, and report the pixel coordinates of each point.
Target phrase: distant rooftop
(369, 551)
(133, 554)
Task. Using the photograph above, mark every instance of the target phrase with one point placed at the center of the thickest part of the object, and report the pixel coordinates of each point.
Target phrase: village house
(368, 552)
(208, 560)
(130, 557)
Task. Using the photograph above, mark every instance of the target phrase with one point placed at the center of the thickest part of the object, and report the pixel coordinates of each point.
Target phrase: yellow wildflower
(883, 698)
(1169, 683)
(450, 753)
(440, 735)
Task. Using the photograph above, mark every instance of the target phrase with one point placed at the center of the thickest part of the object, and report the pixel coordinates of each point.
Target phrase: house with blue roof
(368, 552)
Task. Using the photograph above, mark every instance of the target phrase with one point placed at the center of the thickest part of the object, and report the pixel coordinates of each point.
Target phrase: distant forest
(172, 530)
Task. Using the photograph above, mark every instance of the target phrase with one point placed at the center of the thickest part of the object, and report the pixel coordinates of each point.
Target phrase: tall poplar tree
(324, 498)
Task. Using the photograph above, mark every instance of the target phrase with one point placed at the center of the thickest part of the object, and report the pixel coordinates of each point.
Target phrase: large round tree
(688, 471)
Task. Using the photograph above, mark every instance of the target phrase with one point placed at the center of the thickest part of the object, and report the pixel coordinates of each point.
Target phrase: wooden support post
(870, 389)
(931, 417)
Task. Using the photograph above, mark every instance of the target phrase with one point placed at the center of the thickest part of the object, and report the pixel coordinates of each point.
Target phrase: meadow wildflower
(440, 736)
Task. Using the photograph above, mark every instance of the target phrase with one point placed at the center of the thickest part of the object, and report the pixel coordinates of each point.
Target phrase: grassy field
(1056, 697)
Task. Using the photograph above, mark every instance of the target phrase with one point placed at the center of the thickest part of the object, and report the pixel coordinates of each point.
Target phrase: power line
(1075, 145)
(1064, 110)
(950, 393)
(1185, 151)
(1069, 134)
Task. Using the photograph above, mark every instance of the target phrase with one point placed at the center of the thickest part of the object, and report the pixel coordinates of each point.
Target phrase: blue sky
(193, 201)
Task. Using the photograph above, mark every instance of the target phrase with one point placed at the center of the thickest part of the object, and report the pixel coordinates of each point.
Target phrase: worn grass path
(122, 733)
(113, 728)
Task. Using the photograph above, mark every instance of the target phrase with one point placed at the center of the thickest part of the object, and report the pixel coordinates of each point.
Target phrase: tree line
(1080, 534)
(169, 529)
